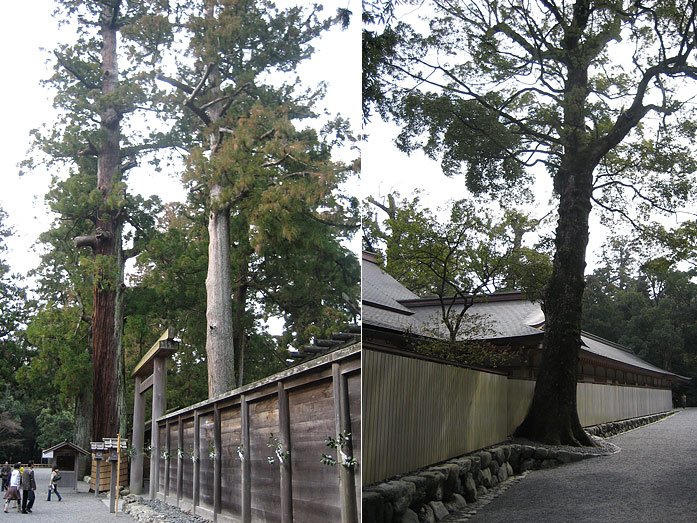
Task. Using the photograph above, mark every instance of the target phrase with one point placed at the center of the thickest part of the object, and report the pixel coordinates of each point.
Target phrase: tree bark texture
(108, 276)
(219, 339)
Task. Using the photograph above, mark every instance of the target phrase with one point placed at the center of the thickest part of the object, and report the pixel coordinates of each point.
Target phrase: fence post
(347, 482)
(197, 465)
(138, 439)
(218, 463)
(246, 464)
(286, 468)
(180, 460)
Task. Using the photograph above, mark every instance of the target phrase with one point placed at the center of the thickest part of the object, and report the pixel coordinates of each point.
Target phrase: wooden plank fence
(419, 412)
(255, 454)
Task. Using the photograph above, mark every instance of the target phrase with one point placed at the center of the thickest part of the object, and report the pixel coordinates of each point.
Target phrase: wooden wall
(417, 412)
(218, 451)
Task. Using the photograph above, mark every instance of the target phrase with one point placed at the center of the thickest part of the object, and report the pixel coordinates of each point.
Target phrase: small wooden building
(65, 456)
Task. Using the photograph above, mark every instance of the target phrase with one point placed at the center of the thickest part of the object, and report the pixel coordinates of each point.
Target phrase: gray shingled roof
(383, 290)
(607, 349)
(387, 304)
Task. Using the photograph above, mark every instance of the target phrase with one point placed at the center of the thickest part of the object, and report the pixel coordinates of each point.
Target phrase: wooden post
(159, 405)
(197, 464)
(96, 479)
(118, 468)
(347, 482)
(246, 463)
(180, 461)
(138, 440)
(218, 463)
(286, 468)
(168, 461)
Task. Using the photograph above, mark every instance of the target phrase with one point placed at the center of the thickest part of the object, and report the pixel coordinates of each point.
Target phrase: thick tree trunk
(106, 339)
(553, 416)
(219, 340)
(83, 418)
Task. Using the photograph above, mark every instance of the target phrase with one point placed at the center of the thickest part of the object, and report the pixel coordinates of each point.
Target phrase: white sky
(27, 26)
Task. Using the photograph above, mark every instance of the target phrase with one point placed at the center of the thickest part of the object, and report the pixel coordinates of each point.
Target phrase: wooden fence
(418, 412)
(256, 453)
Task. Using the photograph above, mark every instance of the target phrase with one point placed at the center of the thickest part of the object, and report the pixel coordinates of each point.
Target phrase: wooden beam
(180, 461)
(145, 384)
(217, 464)
(246, 464)
(138, 439)
(197, 464)
(342, 416)
(286, 468)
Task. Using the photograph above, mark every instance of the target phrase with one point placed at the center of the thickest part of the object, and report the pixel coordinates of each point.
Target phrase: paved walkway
(76, 507)
(653, 479)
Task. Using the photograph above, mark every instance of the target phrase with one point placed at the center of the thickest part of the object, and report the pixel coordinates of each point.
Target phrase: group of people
(20, 486)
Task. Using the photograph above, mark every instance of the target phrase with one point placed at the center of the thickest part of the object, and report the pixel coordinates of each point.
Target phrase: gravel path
(651, 479)
(76, 507)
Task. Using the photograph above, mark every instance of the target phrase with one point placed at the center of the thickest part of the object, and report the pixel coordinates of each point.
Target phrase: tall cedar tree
(94, 97)
(236, 45)
(591, 90)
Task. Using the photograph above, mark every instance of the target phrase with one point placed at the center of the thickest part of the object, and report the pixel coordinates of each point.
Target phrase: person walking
(5, 472)
(28, 487)
(13, 490)
(53, 484)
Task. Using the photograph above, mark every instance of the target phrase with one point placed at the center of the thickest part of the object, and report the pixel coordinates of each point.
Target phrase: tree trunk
(553, 416)
(219, 341)
(105, 422)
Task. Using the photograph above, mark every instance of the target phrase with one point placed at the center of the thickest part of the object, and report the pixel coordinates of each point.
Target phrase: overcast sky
(27, 26)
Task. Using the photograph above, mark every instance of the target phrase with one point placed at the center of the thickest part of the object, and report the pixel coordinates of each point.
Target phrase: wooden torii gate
(151, 371)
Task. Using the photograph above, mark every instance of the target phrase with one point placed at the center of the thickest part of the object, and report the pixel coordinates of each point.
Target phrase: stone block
(421, 484)
(499, 455)
(485, 458)
(470, 488)
(541, 453)
(435, 482)
(503, 473)
(476, 461)
(509, 469)
(494, 467)
(398, 493)
(464, 464)
(452, 479)
(439, 510)
(426, 515)
(486, 478)
(458, 503)
(373, 508)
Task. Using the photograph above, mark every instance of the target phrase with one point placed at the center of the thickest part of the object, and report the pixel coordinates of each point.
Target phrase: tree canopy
(593, 93)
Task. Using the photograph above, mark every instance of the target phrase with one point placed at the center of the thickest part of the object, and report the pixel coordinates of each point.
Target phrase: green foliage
(650, 306)
(54, 428)
(469, 254)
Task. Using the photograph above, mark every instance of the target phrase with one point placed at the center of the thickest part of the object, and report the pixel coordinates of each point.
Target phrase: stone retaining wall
(430, 494)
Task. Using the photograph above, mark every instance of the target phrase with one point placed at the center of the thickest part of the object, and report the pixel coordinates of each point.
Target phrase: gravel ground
(76, 507)
(147, 510)
(650, 479)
